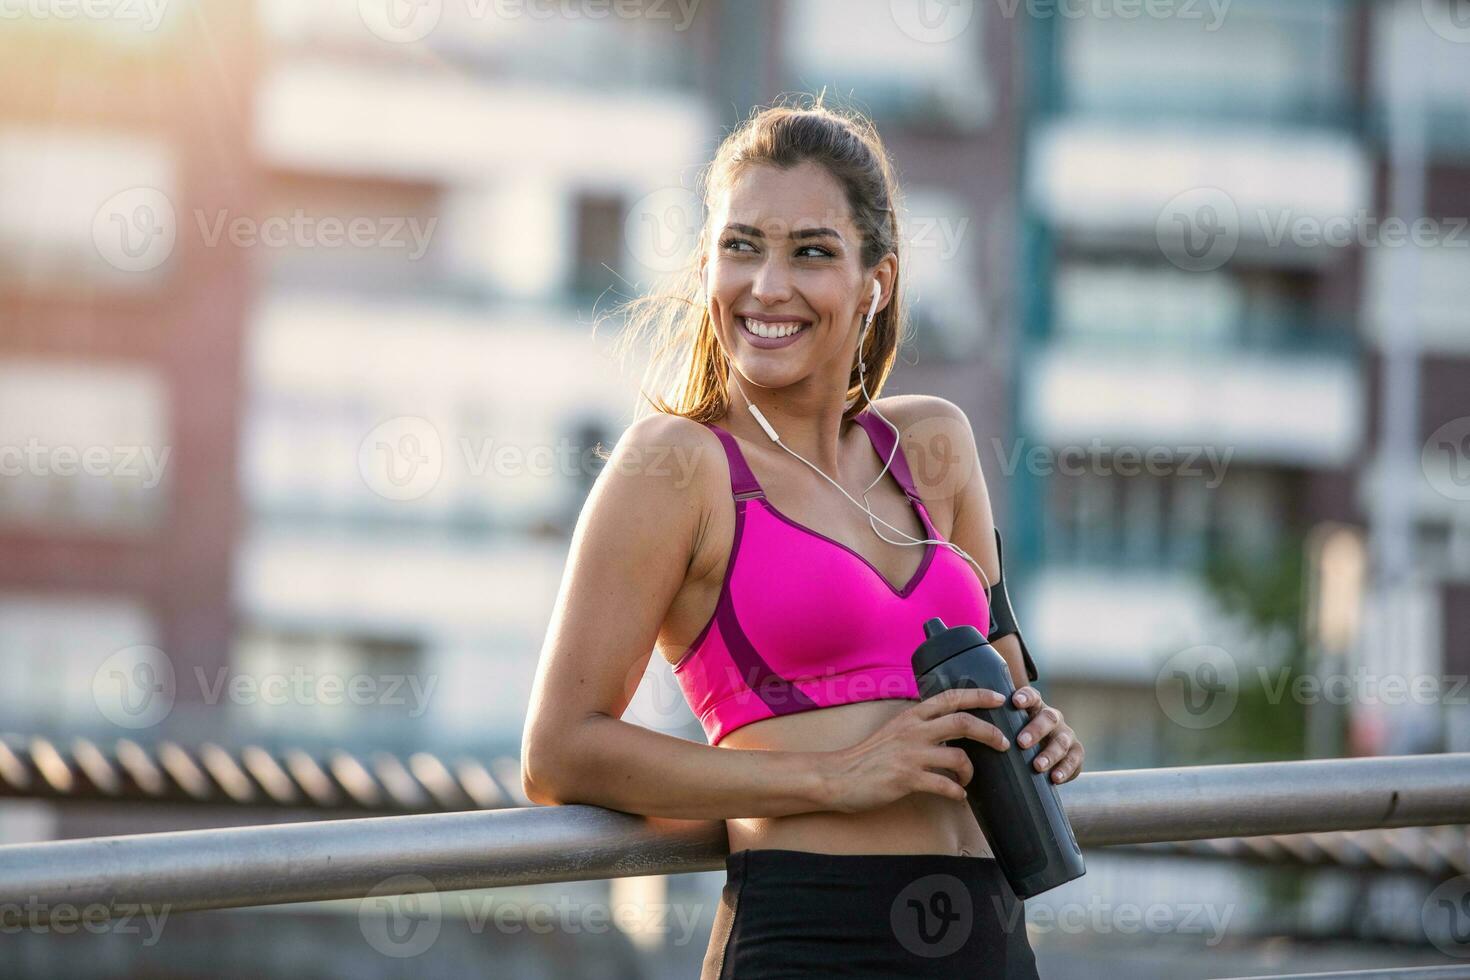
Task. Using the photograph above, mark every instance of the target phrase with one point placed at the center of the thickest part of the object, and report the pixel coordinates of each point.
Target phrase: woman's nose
(772, 283)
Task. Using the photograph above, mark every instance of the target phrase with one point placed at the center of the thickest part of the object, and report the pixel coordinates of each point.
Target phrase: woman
(790, 625)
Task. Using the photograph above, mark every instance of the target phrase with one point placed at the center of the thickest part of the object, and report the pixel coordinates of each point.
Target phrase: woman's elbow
(548, 775)
(538, 776)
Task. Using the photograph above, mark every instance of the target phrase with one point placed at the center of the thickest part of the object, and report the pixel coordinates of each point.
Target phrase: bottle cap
(943, 642)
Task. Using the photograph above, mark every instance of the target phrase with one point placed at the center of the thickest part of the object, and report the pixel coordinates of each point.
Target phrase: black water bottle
(1017, 807)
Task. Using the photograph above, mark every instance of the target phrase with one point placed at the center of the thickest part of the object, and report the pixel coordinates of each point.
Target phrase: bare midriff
(920, 823)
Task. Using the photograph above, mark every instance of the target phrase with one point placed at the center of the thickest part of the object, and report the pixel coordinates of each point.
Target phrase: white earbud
(873, 306)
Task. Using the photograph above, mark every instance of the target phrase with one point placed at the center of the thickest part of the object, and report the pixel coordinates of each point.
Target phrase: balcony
(1294, 400)
(1270, 197)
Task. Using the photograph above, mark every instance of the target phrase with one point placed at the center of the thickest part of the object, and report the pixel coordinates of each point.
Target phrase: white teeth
(771, 330)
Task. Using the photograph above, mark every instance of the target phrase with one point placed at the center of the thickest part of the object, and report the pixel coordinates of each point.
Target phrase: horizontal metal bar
(1456, 971)
(300, 862)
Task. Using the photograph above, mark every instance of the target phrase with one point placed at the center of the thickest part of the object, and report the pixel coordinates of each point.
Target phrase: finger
(959, 699)
(1054, 748)
(1026, 697)
(1041, 723)
(964, 725)
(1070, 766)
(953, 761)
(932, 782)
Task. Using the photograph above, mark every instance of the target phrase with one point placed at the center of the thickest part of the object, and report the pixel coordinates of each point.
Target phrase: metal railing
(335, 859)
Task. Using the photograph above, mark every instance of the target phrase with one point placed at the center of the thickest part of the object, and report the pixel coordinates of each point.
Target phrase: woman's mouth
(767, 335)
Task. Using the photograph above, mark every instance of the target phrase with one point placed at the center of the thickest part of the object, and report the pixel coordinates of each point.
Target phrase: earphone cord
(872, 517)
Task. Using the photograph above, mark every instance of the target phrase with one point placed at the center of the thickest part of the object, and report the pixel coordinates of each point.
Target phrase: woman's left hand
(1061, 752)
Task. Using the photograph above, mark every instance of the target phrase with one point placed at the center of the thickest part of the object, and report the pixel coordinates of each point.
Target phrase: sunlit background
(301, 371)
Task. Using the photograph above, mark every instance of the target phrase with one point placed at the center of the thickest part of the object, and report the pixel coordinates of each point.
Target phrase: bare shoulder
(667, 452)
(938, 441)
(910, 410)
(666, 470)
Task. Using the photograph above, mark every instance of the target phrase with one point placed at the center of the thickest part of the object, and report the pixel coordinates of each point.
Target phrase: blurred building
(121, 335)
(312, 287)
(1202, 322)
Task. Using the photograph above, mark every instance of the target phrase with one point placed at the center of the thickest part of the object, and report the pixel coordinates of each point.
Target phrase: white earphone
(872, 517)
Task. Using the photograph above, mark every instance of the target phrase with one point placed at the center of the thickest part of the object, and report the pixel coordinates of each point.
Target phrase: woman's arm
(939, 445)
(933, 423)
(630, 553)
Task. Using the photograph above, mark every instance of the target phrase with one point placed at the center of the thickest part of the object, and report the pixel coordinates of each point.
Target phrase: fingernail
(1021, 698)
(1025, 740)
(1041, 762)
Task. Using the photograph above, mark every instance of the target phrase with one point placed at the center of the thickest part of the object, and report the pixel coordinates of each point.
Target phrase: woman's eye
(805, 251)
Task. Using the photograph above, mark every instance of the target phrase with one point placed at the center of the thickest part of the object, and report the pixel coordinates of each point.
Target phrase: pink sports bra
(804, 621)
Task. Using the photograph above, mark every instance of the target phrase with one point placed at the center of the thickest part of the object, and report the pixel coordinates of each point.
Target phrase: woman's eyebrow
(754, 232)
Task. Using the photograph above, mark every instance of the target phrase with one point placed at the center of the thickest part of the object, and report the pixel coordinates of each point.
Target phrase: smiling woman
(789, 629)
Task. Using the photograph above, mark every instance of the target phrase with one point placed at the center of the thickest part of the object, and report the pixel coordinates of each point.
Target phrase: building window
(894, 59)
(599, 243)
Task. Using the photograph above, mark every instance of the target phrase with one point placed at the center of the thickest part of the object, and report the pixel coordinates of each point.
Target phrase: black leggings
(806, 914)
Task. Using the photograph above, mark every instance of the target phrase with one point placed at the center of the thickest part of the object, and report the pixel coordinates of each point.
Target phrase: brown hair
(685, 349)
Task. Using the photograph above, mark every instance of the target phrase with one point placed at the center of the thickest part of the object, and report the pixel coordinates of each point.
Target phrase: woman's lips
(771, 343)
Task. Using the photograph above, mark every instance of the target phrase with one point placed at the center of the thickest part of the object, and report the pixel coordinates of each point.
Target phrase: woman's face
(784, 278)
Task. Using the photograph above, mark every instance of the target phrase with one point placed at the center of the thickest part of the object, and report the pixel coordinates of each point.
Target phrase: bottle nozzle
(934, 627)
